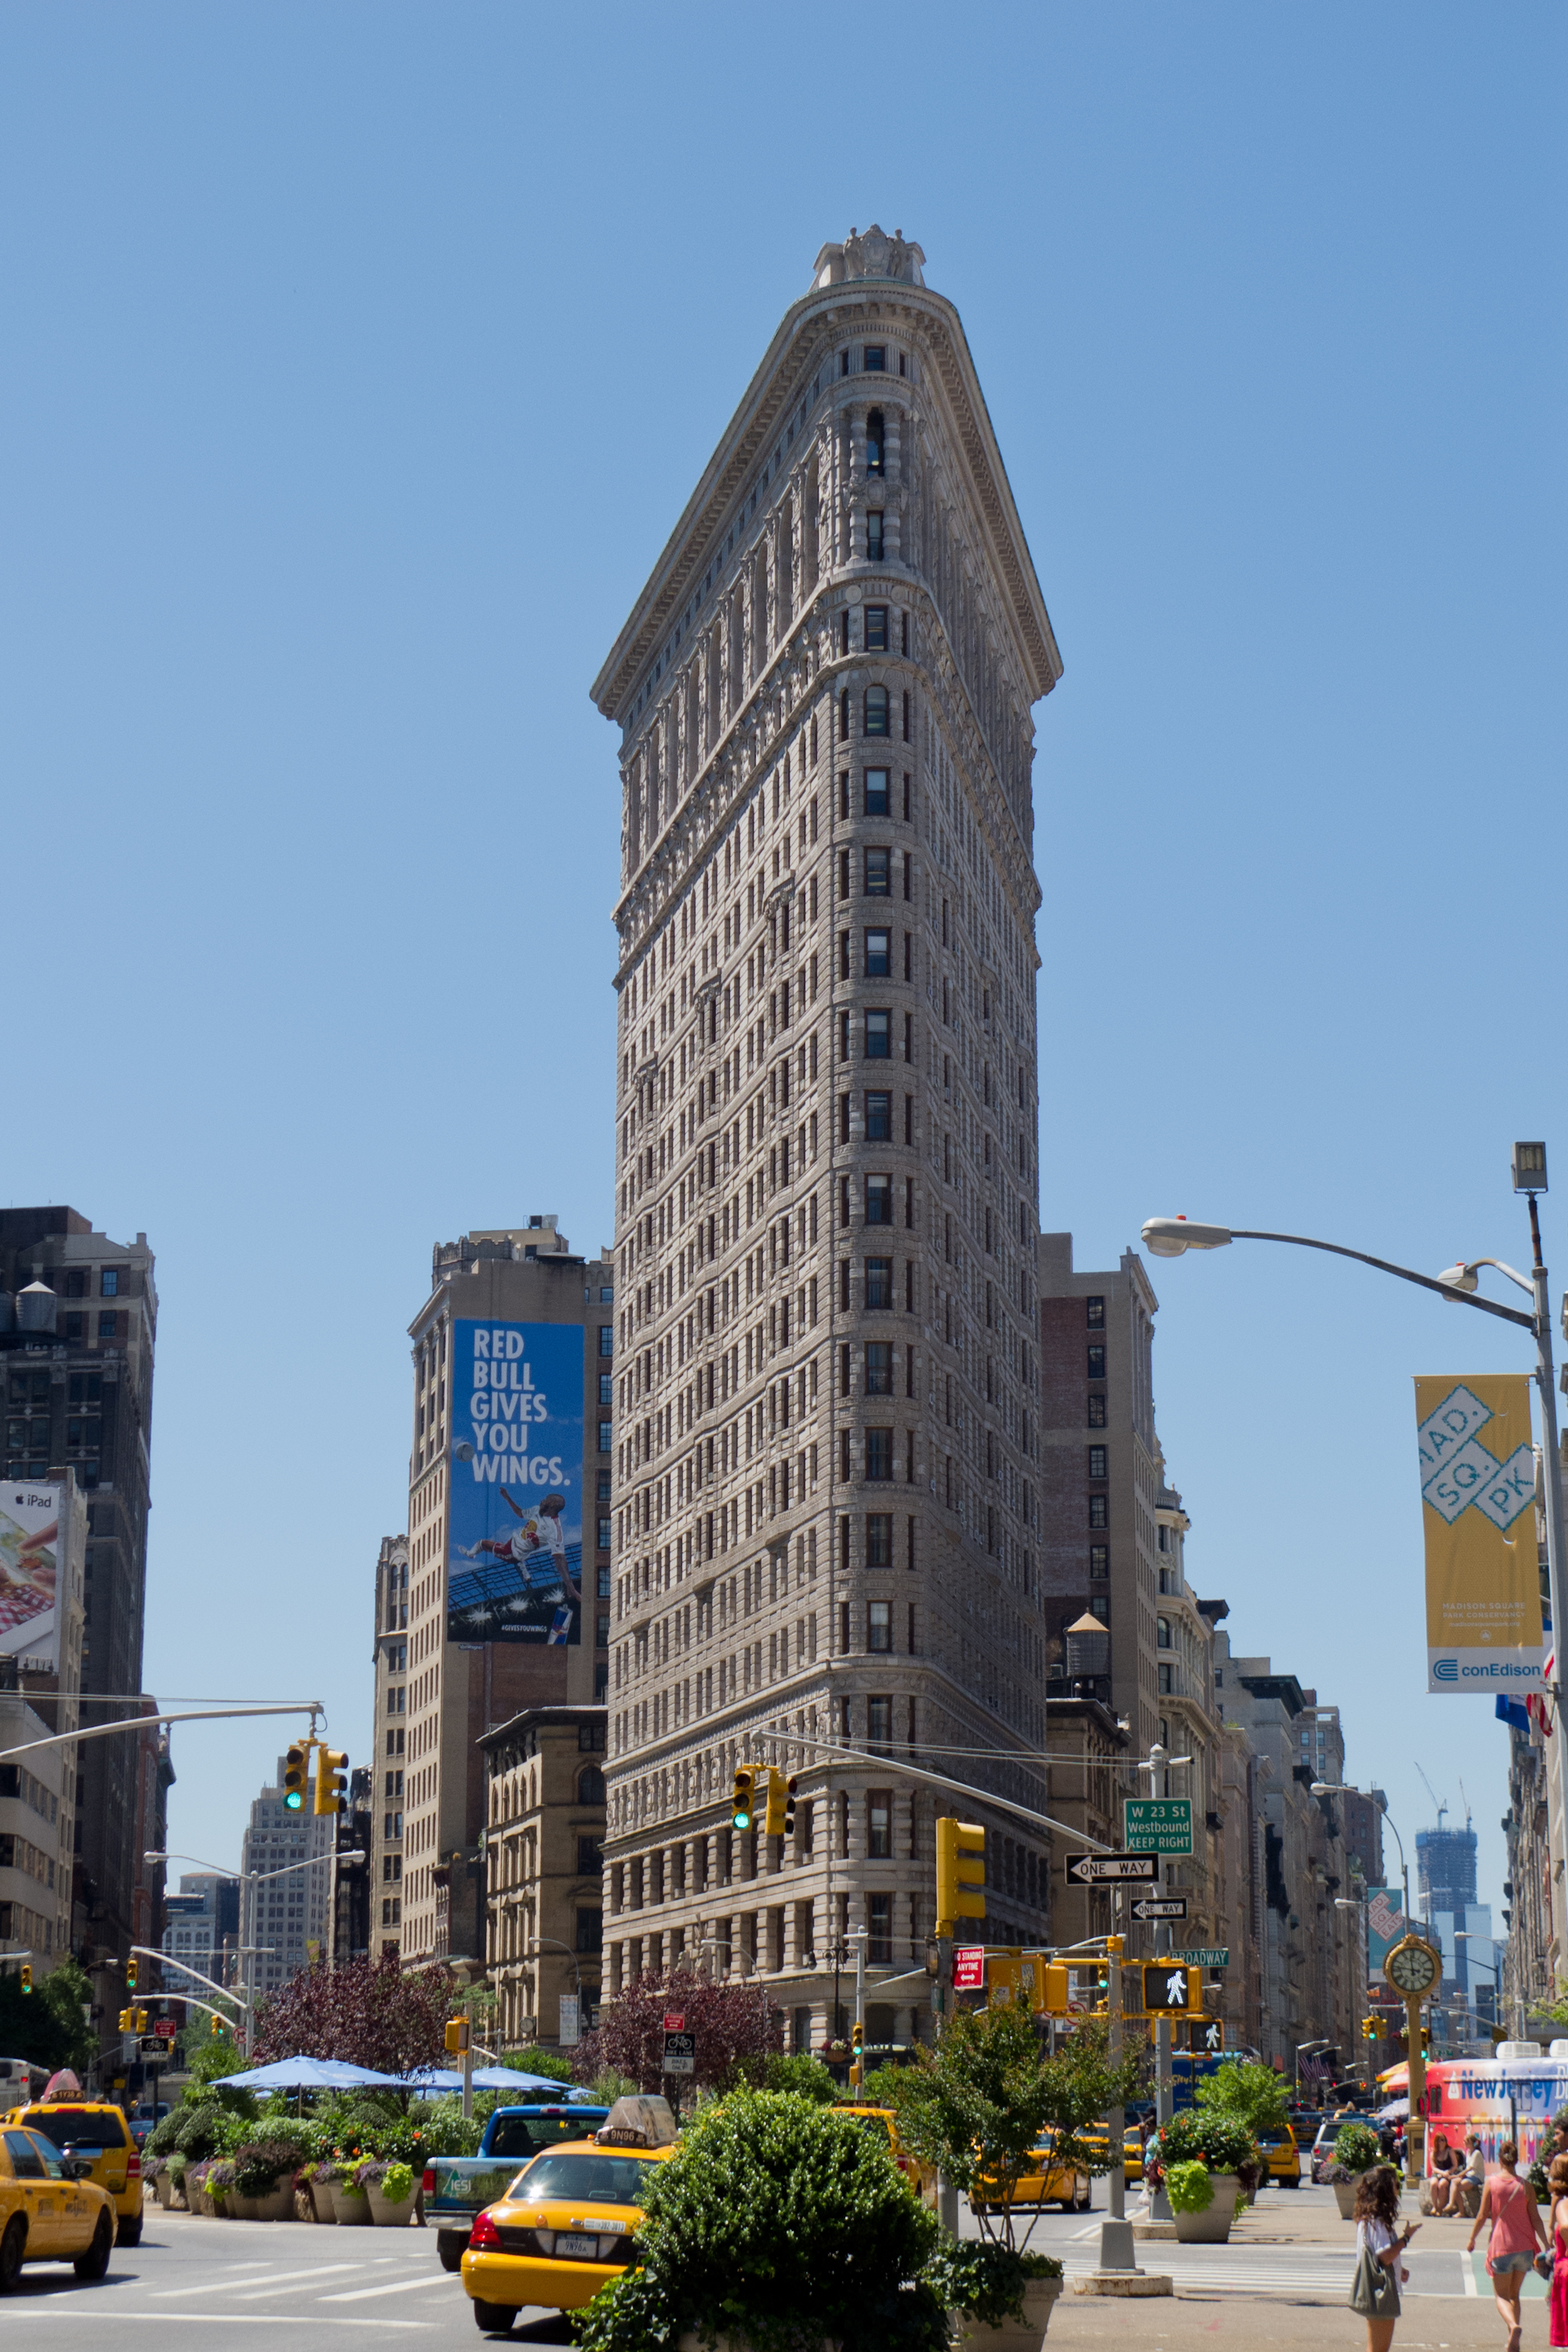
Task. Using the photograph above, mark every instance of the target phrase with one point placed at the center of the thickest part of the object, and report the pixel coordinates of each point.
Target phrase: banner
(1386, 1926)
(29, 1573)
(1478, 1513)
(514, 1568)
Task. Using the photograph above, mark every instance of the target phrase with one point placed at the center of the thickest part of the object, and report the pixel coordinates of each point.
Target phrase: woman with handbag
(1509, 2205)
(1374, 2291)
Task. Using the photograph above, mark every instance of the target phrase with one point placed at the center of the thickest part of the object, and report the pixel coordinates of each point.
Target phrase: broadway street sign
(1088, 1869)
(1160, 1906)
(1219, 1958)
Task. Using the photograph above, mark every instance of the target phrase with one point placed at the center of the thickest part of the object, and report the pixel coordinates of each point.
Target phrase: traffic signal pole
(1117, 2249)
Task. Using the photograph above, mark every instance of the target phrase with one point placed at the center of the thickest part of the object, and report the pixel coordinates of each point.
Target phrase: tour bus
(20, 2081)
(1511, 2096)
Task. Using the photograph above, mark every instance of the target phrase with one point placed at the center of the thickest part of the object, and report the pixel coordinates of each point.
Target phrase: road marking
(393, 2286)
(272, 2278)
(1467, 2264)
(73, 2309)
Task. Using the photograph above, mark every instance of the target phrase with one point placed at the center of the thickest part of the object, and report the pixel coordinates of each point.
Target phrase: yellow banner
(1478, 1514)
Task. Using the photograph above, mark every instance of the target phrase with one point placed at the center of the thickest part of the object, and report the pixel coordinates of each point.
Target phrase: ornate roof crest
(869, 255)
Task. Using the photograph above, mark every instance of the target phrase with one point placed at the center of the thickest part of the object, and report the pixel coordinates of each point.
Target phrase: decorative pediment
(869, 255)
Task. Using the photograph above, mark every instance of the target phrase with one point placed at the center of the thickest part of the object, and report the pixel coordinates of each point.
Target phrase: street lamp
(250, 1878)
(1349, 1788)
(1171, 1236)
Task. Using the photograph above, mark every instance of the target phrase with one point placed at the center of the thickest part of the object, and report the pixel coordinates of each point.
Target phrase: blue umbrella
(309, 2075)
(495, 2078)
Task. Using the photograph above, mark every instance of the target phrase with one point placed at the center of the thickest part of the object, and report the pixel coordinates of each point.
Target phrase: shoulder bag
(1374, 2290)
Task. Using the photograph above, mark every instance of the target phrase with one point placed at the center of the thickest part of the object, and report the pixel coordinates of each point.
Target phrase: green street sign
(1158, 1825)
(1219, 1959)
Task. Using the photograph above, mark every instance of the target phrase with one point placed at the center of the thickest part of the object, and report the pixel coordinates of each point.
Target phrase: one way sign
(1089, 1869)
(1160, 1906)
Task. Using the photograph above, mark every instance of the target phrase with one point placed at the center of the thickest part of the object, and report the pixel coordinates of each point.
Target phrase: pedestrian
(1445, 2164)
(1374, 2290)
(1557, 2232)
(1508, 2204)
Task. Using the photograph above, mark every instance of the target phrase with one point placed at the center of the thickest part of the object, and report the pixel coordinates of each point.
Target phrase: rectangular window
(1096, 1313)
(607, 1338)
(107, 1325)
(878, 1199)
(879, 1367)
(1097, 1364)
(879, 1117)
(1098, 1460)
(874, 555)
(880, 1542)
(604, 1432)
(590, 1857)
(589, 1931)
(604, 1535)
(876, 628)
(878, 879)
(875, 782)
(879, 1625)
(1100, 1560)
(880, 1454)
(876, 359)
(879, 1821)
(880, 1930)
(879, 1722)
(878, 1035)
(878, 955)
(1097, 1513)
(1096, 1410)
(76, 1326)
(109, 1285)
(1167, 1680)
(878, 1283)
(606, 1388)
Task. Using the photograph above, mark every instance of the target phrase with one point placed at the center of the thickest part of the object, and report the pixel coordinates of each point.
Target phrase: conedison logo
(1447, 1670)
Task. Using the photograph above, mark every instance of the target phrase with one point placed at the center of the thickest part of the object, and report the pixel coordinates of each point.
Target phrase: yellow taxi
(1283, 2156)
(1040, 2182)
(882, 2124)
(49, 2210)
(568, 2223)
(1097, 2139)
(85, 2131)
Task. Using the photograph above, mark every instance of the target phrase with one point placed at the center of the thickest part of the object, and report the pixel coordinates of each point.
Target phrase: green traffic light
(294, 1800)
(742, 1818)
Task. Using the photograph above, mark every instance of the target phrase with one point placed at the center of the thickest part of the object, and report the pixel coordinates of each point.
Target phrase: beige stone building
(440, 1697)
(389, 1749)
(543, 1863)
(826, 1547)
(40, 1793)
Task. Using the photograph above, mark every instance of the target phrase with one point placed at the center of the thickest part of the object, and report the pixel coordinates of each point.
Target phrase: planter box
(276, 2203)
(1013, 2335)
(237, 2208)
(352, 2211)
(389, 2214)
(1345, 2194)
(164, 2189)
(320, 2194)
(1211, 2227)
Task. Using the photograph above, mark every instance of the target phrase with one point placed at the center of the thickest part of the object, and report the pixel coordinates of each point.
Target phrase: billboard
(1478, 1515)
(29, 1572)
(515, 1525)
(1386, 1926)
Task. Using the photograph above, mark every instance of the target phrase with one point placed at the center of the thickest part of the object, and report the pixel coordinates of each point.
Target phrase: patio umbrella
(309, 2075)
(1394, 2111)
(494, 2078)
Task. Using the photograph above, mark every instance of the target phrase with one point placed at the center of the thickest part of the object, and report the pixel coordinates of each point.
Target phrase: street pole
(1415, 2093)
(469, 2060)
(1552, 1466)
(1165, 2094)
(1117, 2249)
(856, 2064)
(942, 2002)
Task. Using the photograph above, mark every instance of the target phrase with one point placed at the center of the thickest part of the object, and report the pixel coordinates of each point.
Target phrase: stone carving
(869, 255)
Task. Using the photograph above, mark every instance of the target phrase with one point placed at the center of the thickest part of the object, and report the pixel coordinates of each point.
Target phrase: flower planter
(1023, 2335)
(237, 2208)
(388, 2213)
(1210, 2227)
(276, 2203)
(352, 2207)
(1345, 2195)
(164, 2189)
(318, 2195)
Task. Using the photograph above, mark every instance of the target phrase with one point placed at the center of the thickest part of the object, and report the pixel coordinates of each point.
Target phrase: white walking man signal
(1176, 1989)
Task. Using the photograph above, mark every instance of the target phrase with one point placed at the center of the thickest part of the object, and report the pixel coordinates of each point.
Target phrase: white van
(20, 2080)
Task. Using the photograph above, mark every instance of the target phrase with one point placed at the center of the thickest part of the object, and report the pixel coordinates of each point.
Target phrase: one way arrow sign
(1160, 1906)
(1088, 1869)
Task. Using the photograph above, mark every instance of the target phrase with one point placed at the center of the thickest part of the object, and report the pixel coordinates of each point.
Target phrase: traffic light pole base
(1117, 2251)
(1124, 2282)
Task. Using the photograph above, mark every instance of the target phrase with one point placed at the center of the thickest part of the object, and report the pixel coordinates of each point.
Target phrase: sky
(358, 361)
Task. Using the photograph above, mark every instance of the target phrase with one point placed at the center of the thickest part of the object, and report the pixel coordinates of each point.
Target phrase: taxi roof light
(645, 2121)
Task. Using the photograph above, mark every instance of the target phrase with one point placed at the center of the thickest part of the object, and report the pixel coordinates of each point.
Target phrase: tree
(47, 2024)
(978, 2105)
(1256, 2095)
(367, 2013)
(535, 2060)
(731, 2022)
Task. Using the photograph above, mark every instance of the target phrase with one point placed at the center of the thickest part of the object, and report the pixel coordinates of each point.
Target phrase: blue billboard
(514, 1566)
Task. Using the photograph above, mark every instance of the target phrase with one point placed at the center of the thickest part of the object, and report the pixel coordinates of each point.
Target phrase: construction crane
(1432, 1792)
(1465, 1802)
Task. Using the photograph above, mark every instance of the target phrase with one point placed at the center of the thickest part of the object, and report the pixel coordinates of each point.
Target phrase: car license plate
(576, 2247)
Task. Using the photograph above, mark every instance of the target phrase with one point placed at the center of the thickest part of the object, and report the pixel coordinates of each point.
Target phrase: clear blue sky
(358, 360)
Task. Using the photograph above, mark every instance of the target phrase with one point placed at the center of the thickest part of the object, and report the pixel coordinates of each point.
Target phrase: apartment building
(827, 1466)
(543, 1871)
(78, 1316)
(507, 1556)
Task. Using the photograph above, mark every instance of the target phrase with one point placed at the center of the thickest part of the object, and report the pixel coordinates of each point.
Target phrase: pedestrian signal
(1173, 1989)
(960, 1873)
(296, 1770)
(27, 1973)
(332, 1795)
(457, 2035)
(1205, 2036)
(744, 1802)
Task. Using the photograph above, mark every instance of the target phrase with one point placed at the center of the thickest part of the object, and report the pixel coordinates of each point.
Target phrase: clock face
(1412, 1968)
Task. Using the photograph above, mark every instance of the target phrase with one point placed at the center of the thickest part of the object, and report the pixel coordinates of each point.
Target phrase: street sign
(153, 2046)
(969, 1968)
(680, 2053)
(1160, 1906)
(571, 2033)
(1089, 1869)
(1164, 1822)
(674, 2021)
(1217, 1958)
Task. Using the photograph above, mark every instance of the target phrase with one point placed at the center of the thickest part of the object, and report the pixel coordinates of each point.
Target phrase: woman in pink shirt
(1508, 2204)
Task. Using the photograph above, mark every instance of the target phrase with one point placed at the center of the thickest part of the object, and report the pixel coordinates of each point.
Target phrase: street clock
(1413, 1968)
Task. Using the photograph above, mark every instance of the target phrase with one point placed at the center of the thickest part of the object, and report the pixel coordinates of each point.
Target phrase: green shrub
(535, 2060)
(1357, 2148)
(443, 2130)
(983, 2279)
(399, 2183)
(770, 2070)
(782, 2223)
(1215, 2140)
(260, 2164)
(1189, 2187)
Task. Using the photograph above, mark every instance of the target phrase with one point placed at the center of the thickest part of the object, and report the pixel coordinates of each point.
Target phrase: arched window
(876, 436)
(876, 710)
(1162, 1634)
(590, 1786)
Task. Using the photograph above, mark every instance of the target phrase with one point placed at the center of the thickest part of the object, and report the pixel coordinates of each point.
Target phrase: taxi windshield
(582, 2179)
(77, 2127)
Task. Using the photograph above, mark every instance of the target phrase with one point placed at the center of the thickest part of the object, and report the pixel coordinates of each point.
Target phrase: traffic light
(27, 1976)
(141, 2020)
(332, 1795)
(1370, 2028)
(215, 2027)
(790, 1787)
(744, 1802)
(1171, 1989)
(772, 1805)
(457, 2035)
(128, 2021)
(960, 1873)
(130, 1975)
(296, 1771)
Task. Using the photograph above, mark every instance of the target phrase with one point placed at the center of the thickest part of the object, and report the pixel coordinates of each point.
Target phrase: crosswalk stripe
(392, 2286)
(259, 2285)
